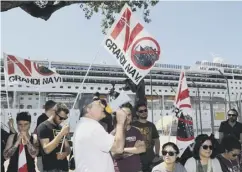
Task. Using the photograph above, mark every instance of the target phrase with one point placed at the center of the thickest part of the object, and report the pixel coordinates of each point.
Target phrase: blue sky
(186, 31)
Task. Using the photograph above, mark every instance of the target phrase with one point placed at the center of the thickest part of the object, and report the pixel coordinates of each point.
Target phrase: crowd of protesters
(126, 146)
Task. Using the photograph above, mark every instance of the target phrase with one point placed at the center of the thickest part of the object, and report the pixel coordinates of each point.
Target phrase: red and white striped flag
(22, 161)
(185, 133)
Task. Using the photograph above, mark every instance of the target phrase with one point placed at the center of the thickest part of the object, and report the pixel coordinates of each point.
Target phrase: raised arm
(33, 149)
(119, 138)
(47, 145)
(11, 147)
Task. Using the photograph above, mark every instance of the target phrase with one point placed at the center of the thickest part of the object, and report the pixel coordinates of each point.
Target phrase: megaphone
(119, 101)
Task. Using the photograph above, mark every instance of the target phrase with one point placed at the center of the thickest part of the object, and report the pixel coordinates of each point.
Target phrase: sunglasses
(233, 115)
(205, 147)
(142, 111)
(235, 155)
(164, 153)
(61, 118)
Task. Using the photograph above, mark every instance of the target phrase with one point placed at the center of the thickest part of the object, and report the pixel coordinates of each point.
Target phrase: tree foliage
(108, 9)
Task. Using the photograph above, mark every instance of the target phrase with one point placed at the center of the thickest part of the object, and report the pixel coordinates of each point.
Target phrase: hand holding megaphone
(121, 116)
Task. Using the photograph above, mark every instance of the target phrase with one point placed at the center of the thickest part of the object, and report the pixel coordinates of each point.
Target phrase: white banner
(135, 49)
(26, 72)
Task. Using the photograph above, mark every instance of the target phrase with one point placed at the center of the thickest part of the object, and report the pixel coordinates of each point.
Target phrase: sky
(186, 31)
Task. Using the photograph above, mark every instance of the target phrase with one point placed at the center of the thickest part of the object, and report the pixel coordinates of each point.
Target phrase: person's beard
(143, 117)
(232, 120)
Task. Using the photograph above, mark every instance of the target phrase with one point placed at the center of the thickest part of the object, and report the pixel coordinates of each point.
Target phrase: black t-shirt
(227, 129)
(43, 117)
(48, 130)
(149, 132)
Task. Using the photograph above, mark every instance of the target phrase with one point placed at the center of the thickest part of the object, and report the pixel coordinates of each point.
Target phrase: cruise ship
(213, 87)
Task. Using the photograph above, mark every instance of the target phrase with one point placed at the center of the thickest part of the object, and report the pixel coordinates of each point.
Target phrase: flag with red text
(26, 72)
(134, 48)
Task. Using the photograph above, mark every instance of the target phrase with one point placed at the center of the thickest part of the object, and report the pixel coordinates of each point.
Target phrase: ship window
(53, 87)
(165, 90)
(21, 98)
(203, 92)
(30, 93)
(147, 90)
(77, 87)
(120, 89)
(37, 98)
(30, 98)
(29, 107)
(3, 85)
(19, 85)
(11, 85)
(222, 92)
(236, 87)
(21, 106)
(106, 88)
(232, 92)
(99, 88)
(84, 88)
(218, 92)
(61, 86)
(69, 86)
(91, 88)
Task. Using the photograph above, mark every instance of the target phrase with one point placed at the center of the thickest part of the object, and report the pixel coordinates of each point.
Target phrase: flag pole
(80, 90)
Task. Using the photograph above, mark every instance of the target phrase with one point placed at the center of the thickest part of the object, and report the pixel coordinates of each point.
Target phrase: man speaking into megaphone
(92, 144)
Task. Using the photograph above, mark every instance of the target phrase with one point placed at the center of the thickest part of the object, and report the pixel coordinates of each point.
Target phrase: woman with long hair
(230, 160)
(170, 154)
(204, 153)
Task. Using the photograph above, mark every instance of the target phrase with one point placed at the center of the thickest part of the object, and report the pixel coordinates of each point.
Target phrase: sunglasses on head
(164, 153)
(205, 147)
(61, 118)
(142, 111)
(233, 115)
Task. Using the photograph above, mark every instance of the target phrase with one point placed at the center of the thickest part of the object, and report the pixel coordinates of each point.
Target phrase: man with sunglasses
(51, 136)
(230, 159)
(49, 110)
(151, 138)
(231, 126)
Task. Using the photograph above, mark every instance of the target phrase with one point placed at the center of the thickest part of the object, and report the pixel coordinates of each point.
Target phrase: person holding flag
(22, 148)
(51, 134)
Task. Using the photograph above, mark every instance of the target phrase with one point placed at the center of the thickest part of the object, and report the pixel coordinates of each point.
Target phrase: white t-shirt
(91, 147)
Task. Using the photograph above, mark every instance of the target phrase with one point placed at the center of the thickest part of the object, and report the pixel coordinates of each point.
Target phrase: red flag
(185, 133)
(22, 161)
